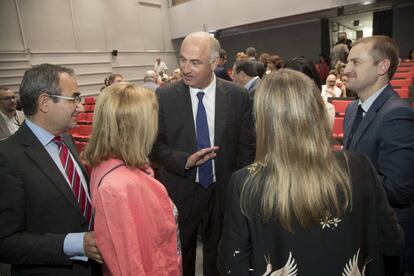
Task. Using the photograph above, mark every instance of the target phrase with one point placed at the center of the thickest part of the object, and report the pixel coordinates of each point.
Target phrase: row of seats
(402, 80)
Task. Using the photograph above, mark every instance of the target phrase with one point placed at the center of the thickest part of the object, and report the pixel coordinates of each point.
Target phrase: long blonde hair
(125, 125)
(296, 174)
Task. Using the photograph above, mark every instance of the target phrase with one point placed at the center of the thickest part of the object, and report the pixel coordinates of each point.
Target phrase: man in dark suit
(245, 73)
(205, 134)
(381, 125)
(220, 71)
(45, 212)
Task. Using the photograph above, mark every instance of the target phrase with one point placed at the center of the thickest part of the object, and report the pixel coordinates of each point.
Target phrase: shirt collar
(250, 82)
(368, 102)
(43, 135)
(208, 90)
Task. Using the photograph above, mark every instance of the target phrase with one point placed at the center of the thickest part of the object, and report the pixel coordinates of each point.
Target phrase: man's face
(62, 113)
(361, 71)
(196, 68)
(330, 81)
(8, 102)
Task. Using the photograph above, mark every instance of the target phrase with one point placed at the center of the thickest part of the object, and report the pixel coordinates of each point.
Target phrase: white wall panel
(152, 30)
(48, 24)
(89, 22)
(11, 39)
(123, 25)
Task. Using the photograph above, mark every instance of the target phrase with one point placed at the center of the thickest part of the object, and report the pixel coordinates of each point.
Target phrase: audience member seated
(135, 220)
(150, 80)
(220, 71)
(176, 75)
(306, 67)
(160, 67)
(241, 56)
(330, 89)
(301, 208)
(274, 63)
(323, 66)
(112, 78)
(245, 73)
(10, 118)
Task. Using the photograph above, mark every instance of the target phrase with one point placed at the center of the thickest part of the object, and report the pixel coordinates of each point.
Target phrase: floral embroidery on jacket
(329, 221)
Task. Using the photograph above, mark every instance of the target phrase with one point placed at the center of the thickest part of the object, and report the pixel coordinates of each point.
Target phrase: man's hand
(89, 246)
(200, 157)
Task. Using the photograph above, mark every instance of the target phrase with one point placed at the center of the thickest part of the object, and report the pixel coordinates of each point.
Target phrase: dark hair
(247, 66)
(307, 67)
(251, 52)
(410, 54)
(110, 79)
(43, 78)
(276, 60)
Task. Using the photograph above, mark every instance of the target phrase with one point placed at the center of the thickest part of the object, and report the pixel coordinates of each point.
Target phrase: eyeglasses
(8, 98)
(75, 99)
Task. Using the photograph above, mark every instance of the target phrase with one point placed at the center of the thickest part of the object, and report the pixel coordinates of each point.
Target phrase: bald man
(205, 134)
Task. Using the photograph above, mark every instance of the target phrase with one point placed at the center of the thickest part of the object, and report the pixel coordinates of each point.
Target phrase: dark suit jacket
(177, 141)
(37, 209)
(222, 73)
(386, 136)
(370, 228)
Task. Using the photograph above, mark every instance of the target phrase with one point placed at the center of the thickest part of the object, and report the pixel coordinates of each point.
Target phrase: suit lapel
(370, 115)
(183, 107)
(352, 115)
(222, 107)
(38, 154)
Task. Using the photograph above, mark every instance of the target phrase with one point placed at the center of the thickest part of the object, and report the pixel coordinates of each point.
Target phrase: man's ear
(383, 67)
(214, 63)
(43, 103)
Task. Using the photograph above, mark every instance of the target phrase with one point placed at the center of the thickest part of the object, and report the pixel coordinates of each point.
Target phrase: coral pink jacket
(135, 228)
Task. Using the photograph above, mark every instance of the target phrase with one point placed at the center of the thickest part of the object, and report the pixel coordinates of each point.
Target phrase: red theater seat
(338, 128)
(405, 83)
(340, 106)
(89, 100)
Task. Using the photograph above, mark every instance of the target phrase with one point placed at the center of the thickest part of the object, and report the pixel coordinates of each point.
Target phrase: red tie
(74, 180)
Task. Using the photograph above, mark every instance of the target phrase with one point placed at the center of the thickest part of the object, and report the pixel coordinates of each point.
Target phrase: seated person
(330, 89)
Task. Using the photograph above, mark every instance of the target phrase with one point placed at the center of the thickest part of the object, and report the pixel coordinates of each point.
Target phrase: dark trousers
(206, 216)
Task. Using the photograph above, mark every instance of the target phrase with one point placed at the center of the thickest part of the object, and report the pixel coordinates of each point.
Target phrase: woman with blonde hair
(134, 219)
(300, 208)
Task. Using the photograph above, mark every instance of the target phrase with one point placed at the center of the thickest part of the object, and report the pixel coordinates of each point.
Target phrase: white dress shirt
(209, 101)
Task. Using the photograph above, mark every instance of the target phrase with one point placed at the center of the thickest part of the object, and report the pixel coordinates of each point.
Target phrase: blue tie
(205, 171)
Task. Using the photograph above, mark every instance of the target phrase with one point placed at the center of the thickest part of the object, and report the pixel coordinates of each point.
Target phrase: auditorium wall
(82, 34)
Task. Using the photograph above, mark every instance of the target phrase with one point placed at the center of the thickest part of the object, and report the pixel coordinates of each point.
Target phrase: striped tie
(74, 180)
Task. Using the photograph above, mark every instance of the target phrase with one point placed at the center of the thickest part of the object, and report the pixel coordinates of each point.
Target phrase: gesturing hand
(89, 246)
(201, 156)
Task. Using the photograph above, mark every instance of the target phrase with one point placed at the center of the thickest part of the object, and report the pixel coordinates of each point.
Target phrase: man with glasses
(45, 210)
(10, 117)
(205, 134)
